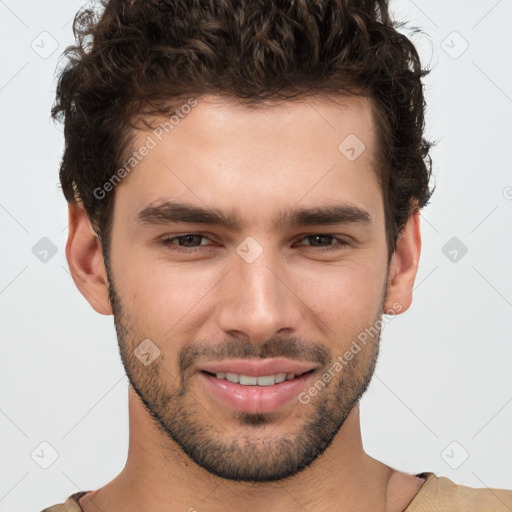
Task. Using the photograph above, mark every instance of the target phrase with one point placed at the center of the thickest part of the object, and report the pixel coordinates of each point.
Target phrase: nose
(258, 299)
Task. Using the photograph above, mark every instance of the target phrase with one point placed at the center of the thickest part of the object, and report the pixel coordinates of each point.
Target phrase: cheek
(346, 297)
(166, 297)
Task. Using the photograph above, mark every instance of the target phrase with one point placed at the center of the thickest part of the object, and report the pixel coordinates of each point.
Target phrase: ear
(85, 260)
(404, 266)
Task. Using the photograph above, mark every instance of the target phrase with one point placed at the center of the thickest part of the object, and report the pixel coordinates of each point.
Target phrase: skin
(294, 300)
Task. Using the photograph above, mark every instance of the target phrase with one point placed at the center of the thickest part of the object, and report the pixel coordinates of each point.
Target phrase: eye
(188, 239)
(318, 237)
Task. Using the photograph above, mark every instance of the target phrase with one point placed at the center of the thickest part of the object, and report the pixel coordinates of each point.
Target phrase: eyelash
(168, 242)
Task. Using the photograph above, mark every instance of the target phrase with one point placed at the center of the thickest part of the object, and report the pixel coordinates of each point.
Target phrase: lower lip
(255, 399)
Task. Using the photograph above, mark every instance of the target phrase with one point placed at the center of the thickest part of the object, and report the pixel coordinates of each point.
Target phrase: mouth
(252, 380)
(255, 394)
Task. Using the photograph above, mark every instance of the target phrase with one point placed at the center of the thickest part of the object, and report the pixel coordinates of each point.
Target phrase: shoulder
(70, 505)
(440, 494)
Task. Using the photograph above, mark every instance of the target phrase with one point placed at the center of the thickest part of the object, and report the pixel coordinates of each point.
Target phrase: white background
(444, 374)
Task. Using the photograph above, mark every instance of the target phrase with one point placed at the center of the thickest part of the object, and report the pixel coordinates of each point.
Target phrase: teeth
(280, 377)
(232, 377)
(248, 380)
(268, 380)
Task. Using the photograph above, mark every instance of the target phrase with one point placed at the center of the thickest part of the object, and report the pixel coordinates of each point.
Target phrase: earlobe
(404, 267)
(85, 260)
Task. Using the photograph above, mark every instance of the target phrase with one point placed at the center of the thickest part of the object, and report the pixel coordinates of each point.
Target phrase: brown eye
(320, 238)
(184, 243)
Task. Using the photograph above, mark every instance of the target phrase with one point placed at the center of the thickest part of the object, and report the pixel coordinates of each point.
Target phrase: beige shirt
(437, 494)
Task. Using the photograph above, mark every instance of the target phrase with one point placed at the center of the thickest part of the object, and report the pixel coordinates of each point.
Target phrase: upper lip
(256, 367)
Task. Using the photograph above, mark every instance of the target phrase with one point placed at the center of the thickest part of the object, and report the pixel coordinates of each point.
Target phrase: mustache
(290, 348)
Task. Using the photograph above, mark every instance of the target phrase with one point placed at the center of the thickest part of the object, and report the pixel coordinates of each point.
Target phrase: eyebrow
(170, 212)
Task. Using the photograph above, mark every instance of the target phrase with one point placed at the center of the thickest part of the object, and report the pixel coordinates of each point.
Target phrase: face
(251, 282)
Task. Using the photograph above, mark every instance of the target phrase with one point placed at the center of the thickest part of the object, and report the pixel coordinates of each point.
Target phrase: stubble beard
(257, 453)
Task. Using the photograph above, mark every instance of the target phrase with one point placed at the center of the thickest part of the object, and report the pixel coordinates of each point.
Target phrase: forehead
(225, 154)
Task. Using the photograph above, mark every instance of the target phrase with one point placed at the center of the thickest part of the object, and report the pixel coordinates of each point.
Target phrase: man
(244, 183)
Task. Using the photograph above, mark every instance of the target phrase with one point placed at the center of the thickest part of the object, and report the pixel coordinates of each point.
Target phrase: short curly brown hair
(139, 58)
